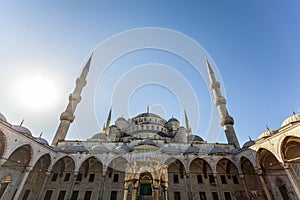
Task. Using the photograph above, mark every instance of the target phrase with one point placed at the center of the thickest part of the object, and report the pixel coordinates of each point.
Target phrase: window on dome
(116, 178)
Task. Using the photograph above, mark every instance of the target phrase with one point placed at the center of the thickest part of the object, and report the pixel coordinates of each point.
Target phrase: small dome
(294, 118)
(173, 120)
(217, 150)
(2, 117)
(99, 136)
(75, 149)
(248, 143)
(192, 150)
(145, 157)
(124, 148)
(267, 134)
(21, 129)
(41, 141)
(121, 119)
(100, 148)
(56, 148)
(191, 138)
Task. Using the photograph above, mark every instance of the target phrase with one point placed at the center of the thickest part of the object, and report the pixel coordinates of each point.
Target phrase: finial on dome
(22, 122)
(148, 109)
(293, 112)
(41, 134)
(267, 127)
(250, 139)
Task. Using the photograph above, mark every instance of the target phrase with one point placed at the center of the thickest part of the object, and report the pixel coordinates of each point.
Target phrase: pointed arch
(3, 143)
(251, 179)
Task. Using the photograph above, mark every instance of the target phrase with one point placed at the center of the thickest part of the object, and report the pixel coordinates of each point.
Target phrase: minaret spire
(226, 121)
(67, 117)
(187, 126)
(106, 128)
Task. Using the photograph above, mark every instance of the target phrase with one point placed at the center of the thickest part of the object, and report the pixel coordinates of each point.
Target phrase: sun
(36, 92)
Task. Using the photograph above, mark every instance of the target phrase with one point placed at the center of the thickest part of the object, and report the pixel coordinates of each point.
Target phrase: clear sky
(254, 47)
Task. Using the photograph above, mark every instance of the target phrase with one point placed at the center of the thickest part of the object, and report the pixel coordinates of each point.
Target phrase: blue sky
(254, 44)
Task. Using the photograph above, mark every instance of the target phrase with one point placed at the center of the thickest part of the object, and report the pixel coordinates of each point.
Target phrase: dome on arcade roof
(41, 141)
(21, 129)
(192, 150)
(191, 138)
(100, 148)
(217, 150)
(2, 117)
(267, 133)
(75, 149)
(248, 143)
(291, 119)
(170, 150)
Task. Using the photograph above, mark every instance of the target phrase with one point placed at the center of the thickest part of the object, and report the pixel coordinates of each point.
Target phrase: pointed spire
(106, 130)
(210, 71)
(67, 117)
(187, 126)
(186, 120)
(226, 121)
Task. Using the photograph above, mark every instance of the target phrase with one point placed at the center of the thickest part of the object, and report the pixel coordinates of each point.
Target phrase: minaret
(187, 126)
(67, 117)
(226, 121)
(106, 128)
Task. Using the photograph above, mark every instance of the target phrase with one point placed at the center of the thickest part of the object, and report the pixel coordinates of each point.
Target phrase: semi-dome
(291, 119)
(21, 129)
(248, 143)
(145, 157)
(41, 141)
(267, 134)
(75, 149)
(147, 142)
(2, 117)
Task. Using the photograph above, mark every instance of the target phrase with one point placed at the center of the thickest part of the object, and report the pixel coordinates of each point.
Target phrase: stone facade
(148, 157)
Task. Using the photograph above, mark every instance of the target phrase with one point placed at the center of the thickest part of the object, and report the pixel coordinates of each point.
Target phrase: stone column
(47, 174)
(20, 188)
(72, 185)
(288, 173)
(245, 186)
(134, 193)
(263, 181)
(156, 189)
(102, 186)
(219, 190)
(188, 184)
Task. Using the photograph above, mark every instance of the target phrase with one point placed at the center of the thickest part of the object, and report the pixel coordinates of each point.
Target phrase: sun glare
(36, 93)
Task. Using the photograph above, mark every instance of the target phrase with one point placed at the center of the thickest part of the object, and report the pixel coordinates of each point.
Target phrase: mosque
(147, 157)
